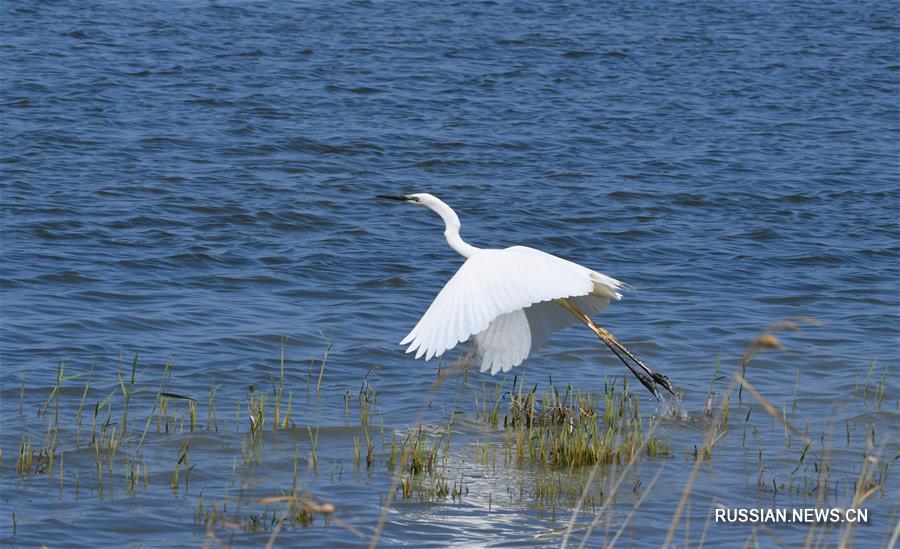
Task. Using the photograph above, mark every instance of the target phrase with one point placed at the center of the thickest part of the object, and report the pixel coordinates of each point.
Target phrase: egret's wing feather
(506, 342)
(513, 337)
(493, 283)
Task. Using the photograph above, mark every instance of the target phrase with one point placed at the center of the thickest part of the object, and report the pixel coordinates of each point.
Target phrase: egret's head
(422, 199)
(451, 220)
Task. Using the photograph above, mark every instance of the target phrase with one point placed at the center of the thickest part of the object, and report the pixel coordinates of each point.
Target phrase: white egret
(509, 301)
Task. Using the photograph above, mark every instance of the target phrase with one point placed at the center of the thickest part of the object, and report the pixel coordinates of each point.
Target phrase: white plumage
(504, 300)
(508, 302)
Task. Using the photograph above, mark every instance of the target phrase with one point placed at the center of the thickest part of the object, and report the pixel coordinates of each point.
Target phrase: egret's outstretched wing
(493, 283)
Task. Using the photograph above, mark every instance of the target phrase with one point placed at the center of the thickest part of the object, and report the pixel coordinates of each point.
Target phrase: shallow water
(194, 181)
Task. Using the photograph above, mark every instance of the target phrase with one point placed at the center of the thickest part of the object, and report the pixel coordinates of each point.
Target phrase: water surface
(193, 181)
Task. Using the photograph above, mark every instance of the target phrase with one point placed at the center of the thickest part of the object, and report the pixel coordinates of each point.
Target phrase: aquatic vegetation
(559, 450)
(574, 429)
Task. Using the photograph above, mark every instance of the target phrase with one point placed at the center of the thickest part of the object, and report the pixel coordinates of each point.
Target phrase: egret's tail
(607, 286)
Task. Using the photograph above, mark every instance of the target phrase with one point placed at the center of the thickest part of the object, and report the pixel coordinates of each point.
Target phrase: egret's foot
(657, 377)
(646, 381)
(649, 379)
(664, 381)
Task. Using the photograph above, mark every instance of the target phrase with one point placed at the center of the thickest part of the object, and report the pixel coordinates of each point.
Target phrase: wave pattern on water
(195, 179)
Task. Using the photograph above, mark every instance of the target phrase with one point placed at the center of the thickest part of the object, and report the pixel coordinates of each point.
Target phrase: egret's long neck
(451, 231)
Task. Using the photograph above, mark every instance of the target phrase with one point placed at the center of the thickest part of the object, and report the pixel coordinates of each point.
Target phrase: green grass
(577, 447)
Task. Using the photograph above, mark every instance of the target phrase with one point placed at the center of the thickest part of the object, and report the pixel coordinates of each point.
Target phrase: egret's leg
(649, 380)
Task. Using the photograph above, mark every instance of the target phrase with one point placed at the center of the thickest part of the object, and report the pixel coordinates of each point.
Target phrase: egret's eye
(412, 198)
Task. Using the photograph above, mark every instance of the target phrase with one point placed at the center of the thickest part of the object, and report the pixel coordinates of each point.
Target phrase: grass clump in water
(575, 428)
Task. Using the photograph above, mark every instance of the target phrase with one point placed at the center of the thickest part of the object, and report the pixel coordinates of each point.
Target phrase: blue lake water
(194, 181)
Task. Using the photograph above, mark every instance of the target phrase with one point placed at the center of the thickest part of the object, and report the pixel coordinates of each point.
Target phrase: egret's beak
(400, 197)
